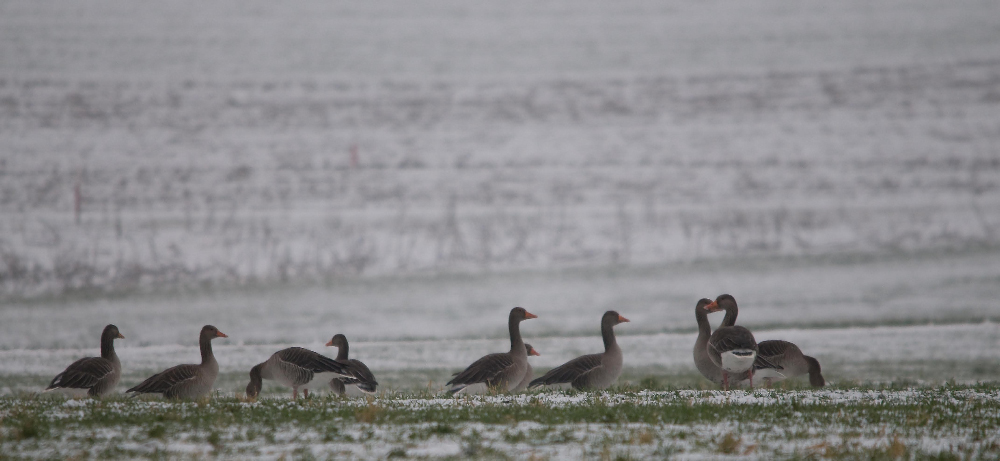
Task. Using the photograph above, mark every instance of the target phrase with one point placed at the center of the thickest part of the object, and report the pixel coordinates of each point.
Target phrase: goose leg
(305, 393)
(751, 378)
(725, 380)
(295, 393)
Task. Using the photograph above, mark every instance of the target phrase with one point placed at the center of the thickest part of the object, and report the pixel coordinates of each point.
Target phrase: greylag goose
(356, 372)
(731, 347)
(776, 359)
(702, 361)
(501, 371)
(528, 374)
(594, 371)
(296, 368)
(187, 381)
(94, 376)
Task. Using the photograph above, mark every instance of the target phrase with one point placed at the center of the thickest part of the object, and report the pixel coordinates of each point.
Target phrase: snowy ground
(763, 424)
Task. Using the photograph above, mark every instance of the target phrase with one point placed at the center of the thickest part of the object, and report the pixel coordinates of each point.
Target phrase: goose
(528, 374)
(702, 361)
(187, 381)
(356, 372)
(297, 368)
(500, 371)
(777, 360)
(594, 371)
(93, 376)
(731, 347)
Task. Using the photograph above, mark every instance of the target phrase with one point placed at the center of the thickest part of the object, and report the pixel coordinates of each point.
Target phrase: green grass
(875, 421)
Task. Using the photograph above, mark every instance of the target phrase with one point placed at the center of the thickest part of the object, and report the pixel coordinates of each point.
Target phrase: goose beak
(534, 352)
(622, 319)
(221, 335)
(121, 336)
(529, 315)
(714, 307)
(329, 343)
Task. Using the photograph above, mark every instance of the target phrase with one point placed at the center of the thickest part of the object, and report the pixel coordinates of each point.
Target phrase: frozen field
(838, 424)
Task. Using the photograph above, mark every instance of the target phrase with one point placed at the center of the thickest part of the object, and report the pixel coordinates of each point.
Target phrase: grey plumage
(501, 371)
(187, 381)
(778, 360)
(93, 376)
(356, 373)
(294, 367)
(593, 371)
(528, 373)
(731, 347)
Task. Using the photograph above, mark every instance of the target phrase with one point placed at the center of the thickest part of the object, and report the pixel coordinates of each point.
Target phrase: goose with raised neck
(356, 372)
(188, 381)
(731, 347)
(92, 376)
(499, 372)
(593, 371)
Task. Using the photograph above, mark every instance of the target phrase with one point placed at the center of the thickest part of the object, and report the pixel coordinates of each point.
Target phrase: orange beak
(529, 315)
(120, 336)
(534, 352)
(221, 335)
(329, 343)
(714, 307)
(622, 319)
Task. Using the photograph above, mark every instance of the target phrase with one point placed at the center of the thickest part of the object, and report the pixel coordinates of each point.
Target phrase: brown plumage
(294, 367)
(528, 374)
(93, 376)
(501, 371)
(593, 371)
(356, 373)
(779, 360)
(776, 359)
(702, 361)
(187, 381)
(731, 347)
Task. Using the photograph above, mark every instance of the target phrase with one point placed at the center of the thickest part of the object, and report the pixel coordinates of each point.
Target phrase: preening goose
(356, 372)
(776, 359)
(187, 381)
(732, 348)
(93, 376)
(594, 371)
(297, 368)
(501, 371)
(528, 374)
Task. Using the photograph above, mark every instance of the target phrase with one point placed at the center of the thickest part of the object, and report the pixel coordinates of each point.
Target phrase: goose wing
(309, 360)
(167, 379)
(485, 370)
(359, 375)
(570, 372)
(83, 374)
(770, 354)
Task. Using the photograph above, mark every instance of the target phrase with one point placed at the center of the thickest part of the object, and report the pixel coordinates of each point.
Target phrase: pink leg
(305, 393)
(751, 378)
(725, 380)
(295, 393)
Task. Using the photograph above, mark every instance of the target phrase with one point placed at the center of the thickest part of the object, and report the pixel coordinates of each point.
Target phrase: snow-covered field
(405, 173)
(763, 424)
